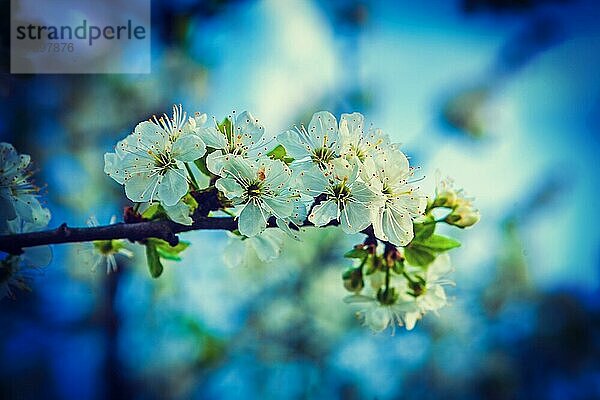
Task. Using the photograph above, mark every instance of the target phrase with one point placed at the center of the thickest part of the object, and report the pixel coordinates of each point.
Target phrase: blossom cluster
(20, 212)
(329, 172)
(334, 173)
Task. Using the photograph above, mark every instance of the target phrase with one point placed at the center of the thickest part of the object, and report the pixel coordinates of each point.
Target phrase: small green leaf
(424, 230)
(154, 265)
(190, 201)
(398, 267)
(439, 243)
(226, 128)
(357, 253)
(279, 153)
(418, 256)
(151, 211)
(201, 164)
(168, 252)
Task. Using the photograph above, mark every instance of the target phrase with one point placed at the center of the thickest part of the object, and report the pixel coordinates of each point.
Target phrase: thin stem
(226, 211)
(192, 177)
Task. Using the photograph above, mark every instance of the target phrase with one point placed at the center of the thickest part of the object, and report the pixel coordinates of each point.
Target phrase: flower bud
(447, 198)
(387, 296)
(353, 280)
(463, 216)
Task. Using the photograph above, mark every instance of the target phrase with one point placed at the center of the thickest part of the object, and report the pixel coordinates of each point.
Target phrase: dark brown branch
(166, 230)
(137, 231)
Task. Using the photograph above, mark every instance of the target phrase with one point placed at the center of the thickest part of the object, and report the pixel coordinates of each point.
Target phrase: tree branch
(161, 229)
(136, 231)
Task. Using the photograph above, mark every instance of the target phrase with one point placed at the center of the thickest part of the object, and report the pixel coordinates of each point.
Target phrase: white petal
(397, 225)
(323, 130)
(38, 256)
(141, 187)
(213, 137)
(172, 187)
(179, 213)
(230, 188)
(247, 126)
(113, 167)
(323, 213)
(378, 318)
(280, 206)
(251, 221)
(295, 147)
(149, 136)
(410, 319)
(188, 148)
(214, 162)
(268, 244)
(355, 217)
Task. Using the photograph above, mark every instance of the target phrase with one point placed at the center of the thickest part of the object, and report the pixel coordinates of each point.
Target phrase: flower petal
(251, 221)
(213, 137)
(141, 187)
(113, 167)
(179, 213)
(172, 187)
(323, 130)
(294, 146)
(230, 188)
(355, 217)
(323, 213)
(188, 148)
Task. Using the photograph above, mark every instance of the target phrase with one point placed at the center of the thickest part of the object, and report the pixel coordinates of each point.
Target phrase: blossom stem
(192, 177)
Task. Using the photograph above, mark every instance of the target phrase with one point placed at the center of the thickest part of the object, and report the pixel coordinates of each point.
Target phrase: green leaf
(424, 230)
(190, 201)
(226, 128)
(154, 265)
(151, 212)
(168, 252)
(279, 153)
(201, 164)
(357, 253)
(417, 255)
(439, 243)
(398, 267)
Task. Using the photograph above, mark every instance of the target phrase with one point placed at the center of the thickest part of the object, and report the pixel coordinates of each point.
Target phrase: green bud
(463, 216)
(417, 287)
(353, 280)
(446, 198)
(387, 296)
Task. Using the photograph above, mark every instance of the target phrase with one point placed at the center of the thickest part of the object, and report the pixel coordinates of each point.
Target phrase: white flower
(344, 197)
(432, 295)
(319, 144)
(104, 251)
(389, 172)
(355, 143)
(266, 247)
(243, 136)
(18, 196)
(379, 316)
(260, 187)
(150, 162)
(17, 271)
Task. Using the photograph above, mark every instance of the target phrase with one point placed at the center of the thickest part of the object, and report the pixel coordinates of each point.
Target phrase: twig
(137, 231)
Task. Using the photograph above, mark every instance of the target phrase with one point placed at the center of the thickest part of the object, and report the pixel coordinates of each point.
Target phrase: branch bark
(135, 231)
(161, 229)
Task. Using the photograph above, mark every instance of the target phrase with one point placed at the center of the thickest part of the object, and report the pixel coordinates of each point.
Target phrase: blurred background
(501, 95)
